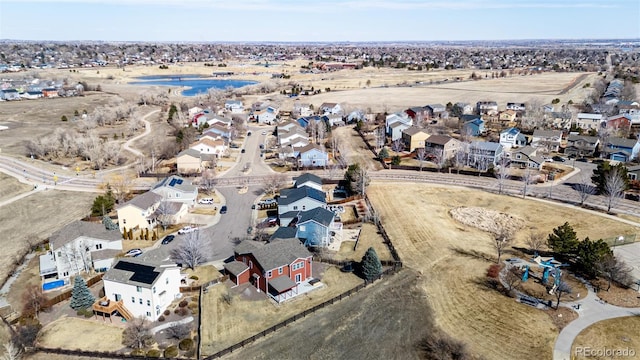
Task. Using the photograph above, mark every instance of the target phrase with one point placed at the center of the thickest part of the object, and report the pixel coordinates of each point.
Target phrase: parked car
(582, 159)
(264, 133)
(207, 201)
(248, 133)
(558, 158)
(187, 230)
(242, 151)
(133, 253)
(167, 239)
(223, 209)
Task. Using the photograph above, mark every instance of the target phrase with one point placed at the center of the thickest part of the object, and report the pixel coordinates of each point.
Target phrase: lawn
(452, 258)
(621, 333)
(369, 237)
(83, 334)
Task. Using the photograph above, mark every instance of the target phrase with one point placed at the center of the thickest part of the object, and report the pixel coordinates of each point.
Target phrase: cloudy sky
(317, 20)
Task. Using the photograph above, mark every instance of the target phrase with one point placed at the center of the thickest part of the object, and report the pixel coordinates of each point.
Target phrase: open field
(452, 258)
(621, 333)
(9, 187)
(34, 218)
(369, 237)
(224, 325)
(384, 321)
(83, 334)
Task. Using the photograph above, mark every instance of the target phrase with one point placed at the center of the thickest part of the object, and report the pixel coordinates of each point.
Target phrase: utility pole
(153, 161)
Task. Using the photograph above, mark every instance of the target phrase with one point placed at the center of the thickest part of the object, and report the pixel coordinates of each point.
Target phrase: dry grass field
(224, 325)
(11, 188)
(369, 237)
(619, 333)
(83, 334)
(451, 256)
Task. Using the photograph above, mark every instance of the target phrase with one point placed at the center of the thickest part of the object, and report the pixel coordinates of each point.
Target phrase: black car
(582, 159)
(223, 209)
(558, 158)
(248, 133)
(167, 239)
(242, 151)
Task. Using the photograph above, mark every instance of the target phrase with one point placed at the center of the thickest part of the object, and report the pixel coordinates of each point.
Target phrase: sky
(317, 20)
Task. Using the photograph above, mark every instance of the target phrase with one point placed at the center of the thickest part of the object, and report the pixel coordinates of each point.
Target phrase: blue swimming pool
(52, 285)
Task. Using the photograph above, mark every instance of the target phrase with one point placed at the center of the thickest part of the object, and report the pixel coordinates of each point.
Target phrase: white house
(487, 107)
(547, 139)
(175, 188)
(588, 121)
(302, 109)
(330, 108)
(79, 248)
(466, 108)
(219, 121)
(145, 288)
(511, 138)
(287, 125)
(310, 180)
(266, 116)
(396, 129)
(219, 130)
(402, 118)
(208, 146)
(194, 110)
(312, 156)
(234, 106)
(290, 136)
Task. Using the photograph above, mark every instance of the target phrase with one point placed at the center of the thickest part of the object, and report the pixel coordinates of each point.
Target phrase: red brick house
(275, 268)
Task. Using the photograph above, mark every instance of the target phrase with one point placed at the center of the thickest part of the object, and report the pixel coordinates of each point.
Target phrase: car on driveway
(582, 160)
(133, 253)
(242, 151)
(187, 230)
(223, 209)
(558, 158)
(207, 201)
(264, 133)
(167, 239)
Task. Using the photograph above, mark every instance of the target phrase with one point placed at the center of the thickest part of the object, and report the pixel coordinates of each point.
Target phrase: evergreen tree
(563, 240)
(383, 154)
(591, 254)
(81, 297)
(370, 265)
(108, 223)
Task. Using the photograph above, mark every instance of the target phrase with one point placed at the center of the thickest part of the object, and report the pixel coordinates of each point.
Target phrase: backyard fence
(620, 240)
(67, 294)
(91, 354)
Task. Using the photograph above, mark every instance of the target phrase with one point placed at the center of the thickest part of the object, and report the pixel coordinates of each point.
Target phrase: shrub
(167, 312)
(181, 311)
(171, 351)
(193, 277)
(161, 318)
(183, 303)
(138, 352)
(154, 353)
(185, 344)
(493, 271)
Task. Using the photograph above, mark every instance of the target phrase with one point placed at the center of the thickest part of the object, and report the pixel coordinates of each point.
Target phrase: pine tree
(370, 265)
(81, 297)
(563, 240)
(108, 223)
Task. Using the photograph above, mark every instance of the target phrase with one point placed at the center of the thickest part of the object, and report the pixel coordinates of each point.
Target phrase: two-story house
(588, 121)
(446, 146)
(142, 288)
(312, 155)
(234, 106)
(581, 145)
(620, 149)
(330, 108)
(314, 227)
(512, 137)
(302, 109)
(526, 157)
(547, 140)
(267, 115)
(414, 138)
(276, 268)
(396, 123)
(436, 111)
(138, 213)
(175, 188)
(465, 108)
(484, 154)
(208, 146)
(308, 179)
(487, 108)
(292, 201)
(472, 125)
(79, 248)
(192, 161)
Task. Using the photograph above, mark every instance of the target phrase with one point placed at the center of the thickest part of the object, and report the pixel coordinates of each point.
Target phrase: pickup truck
(187, 230)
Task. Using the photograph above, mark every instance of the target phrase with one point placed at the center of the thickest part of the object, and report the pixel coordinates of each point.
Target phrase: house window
(139, 288)
(148, 314)
(177, 195)
(302, 227)
(295, 208)
(65, 274)
(148, 302)
(154, 289)
(133, 300)
(166, 281)
(140, 301)
(124, 221)
(98, 246)
(280, 270)
(304, 207)
(157, 311)
(250, 264)
(268, 274)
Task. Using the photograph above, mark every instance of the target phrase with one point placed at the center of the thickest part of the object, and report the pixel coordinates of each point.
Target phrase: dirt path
(147, 131)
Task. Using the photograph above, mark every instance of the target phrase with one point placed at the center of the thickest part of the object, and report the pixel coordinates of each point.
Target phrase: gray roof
(144, 201)
(175, 182)
(82, 228)
(527, 150)
(284, 232)
(137, 272)
(621, 142)
(276, 253)
(547, 133)
(319, 215)
(412, 130)
(282, 284)
(308, 177)
(485, 145)
(104, 254)
(288, 196)
(438, 139)
(168, 208)
(236, 267)
(198, 155)
(589, 139)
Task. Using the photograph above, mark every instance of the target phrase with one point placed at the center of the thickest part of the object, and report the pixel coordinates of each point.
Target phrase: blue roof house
(314, 227)
(473, 125)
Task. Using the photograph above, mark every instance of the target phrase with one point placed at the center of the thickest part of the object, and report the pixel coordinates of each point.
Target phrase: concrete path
(591, 310)
(147, 131)
(168, 325)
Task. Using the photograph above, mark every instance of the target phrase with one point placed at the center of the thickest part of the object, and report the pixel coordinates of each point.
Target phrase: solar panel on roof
(172, 182)
(179, 181)
(141, 273)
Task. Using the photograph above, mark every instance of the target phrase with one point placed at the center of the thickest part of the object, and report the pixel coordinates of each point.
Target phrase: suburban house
(267, 115)
(199, 120)
(466, 108)
(436, 111)
(511, 138)
(581, 145)
(397, 129)
(292, 201)
(50, 93)
(397, 118)
(139, 212)
(316, 119)
(290, 137)
(633, 172)
(559, 120)
(487, 107)
(619, 124)
(312, 155)
(484, 154)
(308, 179)
(472, 125)
(446, 146)
(417, 113)
(80, 247)
(275, 268)
(414, 137)
(619, 149)
(175, 188)
(314, 227)
(588, 121)
(287, 126)
(547, 108)
(508, 117)
(141, 288)
(302, 110)
(234, 106)
(219, 121)
(330, 108)
(207, 146)
(194, 110)
(525, 157)
(547, 140)
(9, 94)
(32, 95)
(218, 130)
(192, 161)
(518, 107)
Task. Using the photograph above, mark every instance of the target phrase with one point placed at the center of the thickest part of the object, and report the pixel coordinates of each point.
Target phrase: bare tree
(178, 331)
(421, 156)
(628, 91)
(585, 188)
(397, 145)
(11, 352)
(164, 214)
(274, 182)
(561, 289)
(502, 173)
(331, 170)
(502, 238)
(191, 252)
(121, 185)
(536, 241)
(380, 137)
(208, 180)
(437, 157)
(614, 187)
(33, 301)
(512, 278)
(527, 178)
(137, 334)
(614, 269)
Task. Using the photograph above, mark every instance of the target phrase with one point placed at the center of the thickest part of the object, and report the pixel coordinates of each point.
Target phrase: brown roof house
(414, 137)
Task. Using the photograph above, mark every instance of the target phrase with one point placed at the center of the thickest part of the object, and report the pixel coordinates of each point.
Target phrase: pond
(196, 84)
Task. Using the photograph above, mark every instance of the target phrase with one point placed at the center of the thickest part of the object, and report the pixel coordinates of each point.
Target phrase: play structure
(549, 266)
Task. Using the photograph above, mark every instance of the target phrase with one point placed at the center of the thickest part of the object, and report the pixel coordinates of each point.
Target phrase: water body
(196, 84)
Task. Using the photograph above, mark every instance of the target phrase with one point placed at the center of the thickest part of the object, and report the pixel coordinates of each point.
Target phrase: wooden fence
(67, 294)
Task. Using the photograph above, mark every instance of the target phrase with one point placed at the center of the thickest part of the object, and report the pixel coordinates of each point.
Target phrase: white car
(207, 201)
(133, 253)
(187, 230)
(264, 133)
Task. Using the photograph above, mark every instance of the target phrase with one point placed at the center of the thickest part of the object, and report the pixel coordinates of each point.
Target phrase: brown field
(451, 256)
(10, 187)
(83, 334)
(369, 237)
(621, 333)
(224, 325)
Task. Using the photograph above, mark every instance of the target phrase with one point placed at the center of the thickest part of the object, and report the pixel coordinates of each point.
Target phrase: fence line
(91, 354)
(67, 294)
